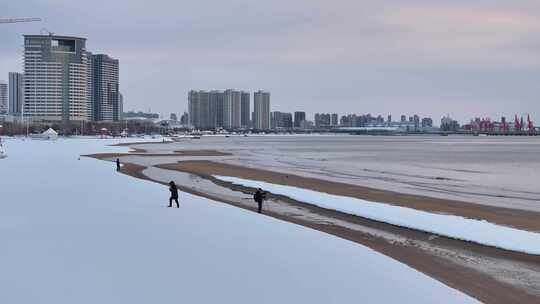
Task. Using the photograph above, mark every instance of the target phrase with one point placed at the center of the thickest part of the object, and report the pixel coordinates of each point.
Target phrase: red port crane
(530, 124)
(518, 126)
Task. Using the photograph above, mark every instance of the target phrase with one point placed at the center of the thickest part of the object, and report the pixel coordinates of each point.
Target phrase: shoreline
(480, 285)
(525, 220)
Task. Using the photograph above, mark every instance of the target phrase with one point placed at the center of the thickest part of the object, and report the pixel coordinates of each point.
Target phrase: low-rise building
(281, 120)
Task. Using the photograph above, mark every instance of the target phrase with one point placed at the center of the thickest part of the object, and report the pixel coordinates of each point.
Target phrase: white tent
(50, 134)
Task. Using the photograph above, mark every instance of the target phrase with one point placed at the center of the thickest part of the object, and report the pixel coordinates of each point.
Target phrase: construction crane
(17, 20)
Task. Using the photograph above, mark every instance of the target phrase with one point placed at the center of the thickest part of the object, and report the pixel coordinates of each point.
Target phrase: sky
(465, 58)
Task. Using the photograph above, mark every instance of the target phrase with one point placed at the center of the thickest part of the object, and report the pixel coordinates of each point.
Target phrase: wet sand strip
(526, 220)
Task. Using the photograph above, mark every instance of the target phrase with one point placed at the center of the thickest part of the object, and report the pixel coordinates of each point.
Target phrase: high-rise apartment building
(15, 93)
(246, 108)
(56, 78)
(261, 119)
(334, 121)
(232, 109)
(216, 108)
(299, 117)
(194, 108)
(120, 106)
(3, 97)
(199, 110)
(105, 88)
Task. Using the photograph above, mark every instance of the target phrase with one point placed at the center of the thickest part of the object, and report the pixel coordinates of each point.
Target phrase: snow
(477, 231)
(77, 231)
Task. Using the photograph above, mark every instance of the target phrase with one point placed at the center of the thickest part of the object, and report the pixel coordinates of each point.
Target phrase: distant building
(306, 124)
(344, 121)
(299, 117)
(485, 125)
(403, 118)
(184, 119)
(261, 119)
(232, 117)
(56, 78)
(416, 121)
(15, 93)
(139, 115)
(105, 88)
(120, 106)
(246, 109)
(322, 120)
(334, 120)
(173, 117)
(216, 108)
(448, 124)
(200, 114)
(3, 97)
(427, 122)
(370, 121)
(281, 120)
(350, 121)
(229, 109)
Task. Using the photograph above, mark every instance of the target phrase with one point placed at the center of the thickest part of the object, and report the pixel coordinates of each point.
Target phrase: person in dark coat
(259, 197)
(174, 194)
(118, 164)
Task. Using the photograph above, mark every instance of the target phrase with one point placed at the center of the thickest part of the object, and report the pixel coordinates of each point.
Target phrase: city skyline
(434, 59)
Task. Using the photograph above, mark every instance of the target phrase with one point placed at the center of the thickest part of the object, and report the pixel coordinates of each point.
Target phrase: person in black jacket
(259, 197)
(118, 164)
(174, 194)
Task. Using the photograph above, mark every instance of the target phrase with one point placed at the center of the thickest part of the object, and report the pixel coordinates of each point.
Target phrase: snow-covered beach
(452, 241)
(76, 231)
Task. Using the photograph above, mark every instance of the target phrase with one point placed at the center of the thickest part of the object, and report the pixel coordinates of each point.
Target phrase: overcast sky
(459, 57)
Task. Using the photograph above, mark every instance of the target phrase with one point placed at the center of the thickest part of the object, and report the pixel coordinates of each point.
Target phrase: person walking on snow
(259, 197)
(174, 194)
(118, 164)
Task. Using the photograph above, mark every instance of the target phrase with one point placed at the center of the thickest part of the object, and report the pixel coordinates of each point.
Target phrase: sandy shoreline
(484, 287)
(509, 217)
